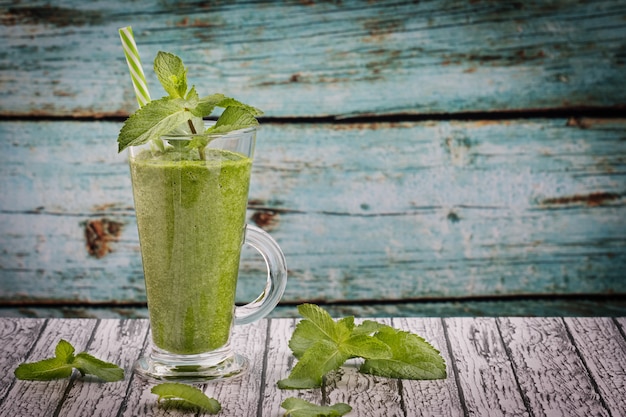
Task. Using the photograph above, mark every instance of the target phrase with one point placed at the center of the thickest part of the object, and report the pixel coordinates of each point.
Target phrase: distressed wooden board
(433, 397)
(368, 395)
(550, 373)
(39, 398)
(114, 341)
(603, 350)
(278, 364)
(554, 356)
(439, 209)
(483, 371)
(246, 341)
(17, 338)
(320, 58)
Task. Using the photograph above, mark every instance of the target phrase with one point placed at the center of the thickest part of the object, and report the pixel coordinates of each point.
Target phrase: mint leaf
(368, 327)
(233, 118)
(324, 356)
(365, 346)
(44, 370)
(296, 407)
(64, 351)
(322, 344)
(186, 397)
(412, 357)
(231, 102)
(182, 112)
(318, 325)
(153, 120)
(172, 74)
(88, 364)
(64, 362)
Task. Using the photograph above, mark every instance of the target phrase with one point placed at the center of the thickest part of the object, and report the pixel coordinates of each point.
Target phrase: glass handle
(276, 276)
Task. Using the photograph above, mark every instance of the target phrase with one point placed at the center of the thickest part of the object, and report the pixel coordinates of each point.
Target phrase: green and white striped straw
(134, 66)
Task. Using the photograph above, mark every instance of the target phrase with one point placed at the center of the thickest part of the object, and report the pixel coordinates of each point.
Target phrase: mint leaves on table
(62, 365)
(182, 110)
(185, 397)
(322, 345)
(297, 407)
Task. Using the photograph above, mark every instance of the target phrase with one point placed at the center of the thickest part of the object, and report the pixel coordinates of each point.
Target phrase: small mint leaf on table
(365, 346)
(322, 345)
(412, 357)
(324, 356)
(88, 364)
(44, 370)
(185, 397)
(64, 351)
(317, 325)
(62, 365)
(296, 407)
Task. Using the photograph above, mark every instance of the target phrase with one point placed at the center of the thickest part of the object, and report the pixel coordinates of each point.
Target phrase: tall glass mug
(191, 207)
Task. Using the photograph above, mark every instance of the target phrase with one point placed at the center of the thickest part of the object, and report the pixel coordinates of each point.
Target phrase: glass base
(203, 367)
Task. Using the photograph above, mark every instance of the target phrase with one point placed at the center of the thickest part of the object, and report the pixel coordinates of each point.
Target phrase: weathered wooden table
(497, 366)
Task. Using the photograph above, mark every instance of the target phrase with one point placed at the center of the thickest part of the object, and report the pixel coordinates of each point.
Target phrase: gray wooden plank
(320, 58)
(368, 395)
(279, 362)
(240, 396)
(434, 397)
(548, 369)
(518, 207)
(487, 382)
(17, 336)
(115, 341)
(28, 398)
(603, 349)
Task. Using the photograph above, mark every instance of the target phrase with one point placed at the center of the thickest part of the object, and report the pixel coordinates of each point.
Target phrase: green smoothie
(190, 216)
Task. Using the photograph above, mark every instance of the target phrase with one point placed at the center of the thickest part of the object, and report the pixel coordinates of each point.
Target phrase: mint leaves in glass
(182, 111)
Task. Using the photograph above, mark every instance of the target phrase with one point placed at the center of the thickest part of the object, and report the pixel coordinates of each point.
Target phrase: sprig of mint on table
(182, 111)
(322, 345)
(63, 364)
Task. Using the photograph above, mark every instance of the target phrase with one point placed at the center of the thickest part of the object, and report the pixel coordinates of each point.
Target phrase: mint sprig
(185, 397)
(62, 365)
(322, 345)
(182, 111)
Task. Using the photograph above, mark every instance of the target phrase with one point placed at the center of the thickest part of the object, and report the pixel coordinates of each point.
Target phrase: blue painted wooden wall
(416, 158)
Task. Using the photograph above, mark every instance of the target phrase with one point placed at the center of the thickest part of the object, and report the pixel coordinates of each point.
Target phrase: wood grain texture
(549, 371)
(603, 349)
(243, 392)
(438, 397)
(17, 338)
(437, 209)
(487, 382)
(114, 341)
(368, 395)
(28, 398)
(320, 58)
(278, 363)
(504, 366)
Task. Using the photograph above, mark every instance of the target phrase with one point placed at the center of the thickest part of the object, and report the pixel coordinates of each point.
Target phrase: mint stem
(200, 148)
(193, 129)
